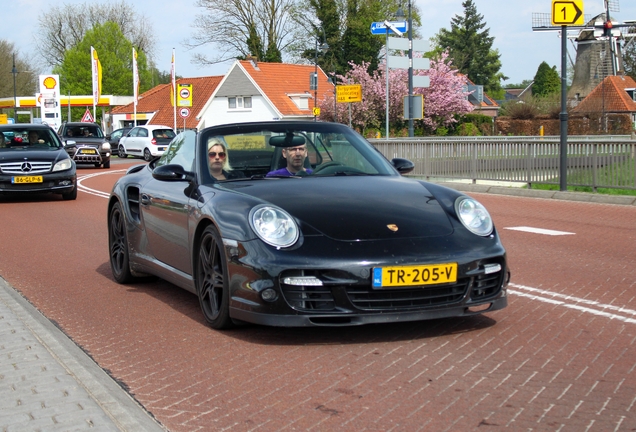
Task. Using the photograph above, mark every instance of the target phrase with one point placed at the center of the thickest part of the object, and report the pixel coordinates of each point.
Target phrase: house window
(239, 102)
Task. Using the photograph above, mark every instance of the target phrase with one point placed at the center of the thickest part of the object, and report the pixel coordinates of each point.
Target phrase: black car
(33, 160)
(347, 240)
(85, 143)
(114, 137)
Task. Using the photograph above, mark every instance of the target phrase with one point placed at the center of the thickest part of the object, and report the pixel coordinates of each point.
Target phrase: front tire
(121, 152)
(212, 280)
(118, 245)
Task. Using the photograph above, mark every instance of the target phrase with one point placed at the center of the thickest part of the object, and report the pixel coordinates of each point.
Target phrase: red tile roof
(157, 100)
(609, 96)
(278, 80)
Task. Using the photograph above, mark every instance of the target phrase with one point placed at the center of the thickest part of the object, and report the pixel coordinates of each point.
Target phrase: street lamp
(314, 84)
(14, 71)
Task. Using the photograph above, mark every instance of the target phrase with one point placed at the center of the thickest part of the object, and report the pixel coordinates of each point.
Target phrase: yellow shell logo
(49, 83)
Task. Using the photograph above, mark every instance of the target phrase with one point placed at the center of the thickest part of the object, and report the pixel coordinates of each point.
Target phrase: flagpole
(174, 91)
(94, 76)
(135, 85)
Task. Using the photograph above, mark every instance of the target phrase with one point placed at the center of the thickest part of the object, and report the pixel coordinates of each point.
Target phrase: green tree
(115, 56)
(346, 29)
(61, 28)
(470, 47)
(546, 81)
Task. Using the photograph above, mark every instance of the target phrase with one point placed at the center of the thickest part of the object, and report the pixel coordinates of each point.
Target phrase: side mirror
(172, 172)
(403, 166)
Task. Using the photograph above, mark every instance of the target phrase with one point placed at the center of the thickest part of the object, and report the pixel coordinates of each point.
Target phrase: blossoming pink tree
(443, 100)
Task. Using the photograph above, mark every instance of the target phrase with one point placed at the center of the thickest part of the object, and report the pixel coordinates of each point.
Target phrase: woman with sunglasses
(218, 161)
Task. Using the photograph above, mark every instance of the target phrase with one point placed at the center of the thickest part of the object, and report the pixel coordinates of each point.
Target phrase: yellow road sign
(316, 111)
(567, 12)
(349, 93)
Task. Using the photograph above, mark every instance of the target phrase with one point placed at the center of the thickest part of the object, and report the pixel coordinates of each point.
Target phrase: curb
(533, 193)
(118, 405)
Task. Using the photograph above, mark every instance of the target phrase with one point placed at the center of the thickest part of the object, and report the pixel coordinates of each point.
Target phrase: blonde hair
(218, 141)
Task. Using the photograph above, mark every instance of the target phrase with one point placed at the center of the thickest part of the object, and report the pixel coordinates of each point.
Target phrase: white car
(147, 141)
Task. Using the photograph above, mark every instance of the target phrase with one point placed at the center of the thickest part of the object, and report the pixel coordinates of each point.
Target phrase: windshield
(21, 136)
(288, 149)
(85, 131)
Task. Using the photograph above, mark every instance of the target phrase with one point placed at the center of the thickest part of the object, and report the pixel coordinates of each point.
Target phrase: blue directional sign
(380, 27)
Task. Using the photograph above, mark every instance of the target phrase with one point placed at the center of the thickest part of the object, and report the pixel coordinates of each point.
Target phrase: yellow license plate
(27, 179)
(87, 151)
(406, 276)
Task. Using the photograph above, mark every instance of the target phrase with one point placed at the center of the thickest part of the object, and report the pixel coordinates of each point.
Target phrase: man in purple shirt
(295, 162)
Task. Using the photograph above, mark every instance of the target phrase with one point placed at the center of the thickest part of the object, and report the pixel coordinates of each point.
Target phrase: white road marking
(580, 304)
(95, 192)
(539, 231)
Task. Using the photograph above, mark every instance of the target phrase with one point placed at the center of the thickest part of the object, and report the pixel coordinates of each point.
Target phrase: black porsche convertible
(340, 238)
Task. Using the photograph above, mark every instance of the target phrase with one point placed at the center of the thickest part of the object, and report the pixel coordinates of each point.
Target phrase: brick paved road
(561, 356)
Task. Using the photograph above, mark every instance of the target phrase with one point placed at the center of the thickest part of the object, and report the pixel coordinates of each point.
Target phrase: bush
(520, 110)
(468, 129)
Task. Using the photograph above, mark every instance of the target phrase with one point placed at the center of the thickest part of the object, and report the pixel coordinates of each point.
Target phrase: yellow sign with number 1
(567, 12)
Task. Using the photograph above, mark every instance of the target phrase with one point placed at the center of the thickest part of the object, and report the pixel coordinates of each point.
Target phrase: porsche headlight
(274, 226)
(474, 216)
(62, 165)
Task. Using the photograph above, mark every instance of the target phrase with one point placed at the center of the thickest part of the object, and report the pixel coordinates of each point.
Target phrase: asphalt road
(561, 357)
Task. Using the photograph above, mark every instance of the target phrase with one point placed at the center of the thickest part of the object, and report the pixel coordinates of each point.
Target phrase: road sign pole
(563, 168)
(386, 59)
(410, 25)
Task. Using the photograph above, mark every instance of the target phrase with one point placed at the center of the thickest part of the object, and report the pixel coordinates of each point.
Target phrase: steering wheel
(326, 165)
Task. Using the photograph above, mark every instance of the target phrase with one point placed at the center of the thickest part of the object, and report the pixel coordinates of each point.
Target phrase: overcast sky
(510, 21)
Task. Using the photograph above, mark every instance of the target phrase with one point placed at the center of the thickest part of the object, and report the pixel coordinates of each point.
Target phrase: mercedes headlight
(274, 226)
(474, 216)
(62, 165)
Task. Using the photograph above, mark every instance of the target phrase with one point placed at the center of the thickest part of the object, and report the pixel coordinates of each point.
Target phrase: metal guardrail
(594, 161)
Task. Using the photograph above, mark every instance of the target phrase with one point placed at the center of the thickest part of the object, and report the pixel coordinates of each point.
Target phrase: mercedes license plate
(26, 179)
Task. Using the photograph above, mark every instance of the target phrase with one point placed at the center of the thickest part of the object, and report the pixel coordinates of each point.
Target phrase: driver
(295, 162)
(34, 137)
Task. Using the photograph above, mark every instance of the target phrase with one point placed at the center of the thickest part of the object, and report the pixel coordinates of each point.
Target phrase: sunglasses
(214, 154)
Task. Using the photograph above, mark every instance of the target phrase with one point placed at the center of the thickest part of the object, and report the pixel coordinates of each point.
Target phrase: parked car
(33, 160)
(85, 143)
(114, 137)
(146, 141)
(350, 242)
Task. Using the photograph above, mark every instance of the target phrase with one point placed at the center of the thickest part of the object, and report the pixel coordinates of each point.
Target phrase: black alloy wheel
(212, 280)
(118, 245)
(121, 152)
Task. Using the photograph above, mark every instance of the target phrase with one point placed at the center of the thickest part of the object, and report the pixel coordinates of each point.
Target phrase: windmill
(599, 51)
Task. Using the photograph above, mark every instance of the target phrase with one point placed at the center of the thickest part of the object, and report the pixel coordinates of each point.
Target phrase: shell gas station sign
(49, 100)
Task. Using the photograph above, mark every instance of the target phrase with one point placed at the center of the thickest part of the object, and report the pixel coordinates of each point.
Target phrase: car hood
(356, 208)
(79, 141)
(32, 154)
